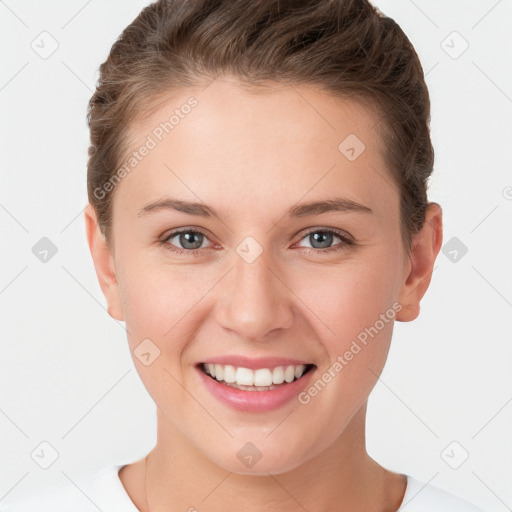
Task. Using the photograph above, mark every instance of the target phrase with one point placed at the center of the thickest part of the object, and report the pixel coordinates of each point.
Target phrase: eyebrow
(302, 210)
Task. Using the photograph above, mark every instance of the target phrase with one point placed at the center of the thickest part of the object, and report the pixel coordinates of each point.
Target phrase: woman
(259, 219)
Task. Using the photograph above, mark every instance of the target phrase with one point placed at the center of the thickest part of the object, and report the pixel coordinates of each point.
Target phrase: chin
(249, 460)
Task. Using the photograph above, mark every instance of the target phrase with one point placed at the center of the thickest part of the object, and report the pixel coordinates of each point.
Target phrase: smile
(255, 385)
(260, 379)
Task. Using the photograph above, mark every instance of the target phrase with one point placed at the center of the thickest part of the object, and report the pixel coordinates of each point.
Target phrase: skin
(251, 157)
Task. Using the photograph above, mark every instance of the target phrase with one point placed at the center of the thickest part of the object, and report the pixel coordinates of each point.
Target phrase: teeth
(278, 375)
(229, 374)
(263, 377)
(219, 372)
(254, 380)
(289, 374)
(299, 370)
(244, 376)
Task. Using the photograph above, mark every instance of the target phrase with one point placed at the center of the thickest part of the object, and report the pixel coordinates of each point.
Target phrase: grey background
(66, 374)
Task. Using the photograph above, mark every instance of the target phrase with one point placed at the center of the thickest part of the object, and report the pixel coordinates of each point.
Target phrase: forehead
(227, 144)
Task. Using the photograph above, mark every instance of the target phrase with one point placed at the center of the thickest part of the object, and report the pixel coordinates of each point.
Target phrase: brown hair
(348, 47)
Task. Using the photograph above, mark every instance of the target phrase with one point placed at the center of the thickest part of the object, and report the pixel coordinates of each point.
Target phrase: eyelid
(185, 229)
(337, 231)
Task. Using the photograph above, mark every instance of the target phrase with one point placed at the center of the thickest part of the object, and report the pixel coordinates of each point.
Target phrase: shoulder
(101, 490)
(423, 497)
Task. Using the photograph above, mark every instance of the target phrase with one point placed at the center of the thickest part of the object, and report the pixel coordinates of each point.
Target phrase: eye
(321, 239)
(190, 240)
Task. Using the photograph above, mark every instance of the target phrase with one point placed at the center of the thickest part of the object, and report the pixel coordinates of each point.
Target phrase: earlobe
(425, 248)
(103, 264)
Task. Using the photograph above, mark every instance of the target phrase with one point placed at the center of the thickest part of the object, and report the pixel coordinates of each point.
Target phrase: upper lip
(255, 362)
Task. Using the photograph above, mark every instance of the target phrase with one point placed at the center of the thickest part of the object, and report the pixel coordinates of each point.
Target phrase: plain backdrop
(442, 410)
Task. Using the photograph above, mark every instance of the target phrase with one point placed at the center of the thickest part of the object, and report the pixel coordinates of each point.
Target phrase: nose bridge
(256, 303)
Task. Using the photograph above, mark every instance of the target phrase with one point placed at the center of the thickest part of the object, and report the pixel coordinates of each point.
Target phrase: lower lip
(255, 401)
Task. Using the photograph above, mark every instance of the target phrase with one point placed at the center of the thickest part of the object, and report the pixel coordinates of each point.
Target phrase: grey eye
(321, 239)
(187, 239)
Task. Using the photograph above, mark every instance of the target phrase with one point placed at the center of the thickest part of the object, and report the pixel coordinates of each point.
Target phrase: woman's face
(270, 278)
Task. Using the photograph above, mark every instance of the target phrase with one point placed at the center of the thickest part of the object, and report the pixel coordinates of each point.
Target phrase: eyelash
(345, 241)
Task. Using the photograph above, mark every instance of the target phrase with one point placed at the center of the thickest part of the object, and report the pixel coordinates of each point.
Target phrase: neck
(342, 478)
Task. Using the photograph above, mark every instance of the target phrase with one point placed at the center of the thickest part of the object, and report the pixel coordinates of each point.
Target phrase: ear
(103, 264)
(425, 248)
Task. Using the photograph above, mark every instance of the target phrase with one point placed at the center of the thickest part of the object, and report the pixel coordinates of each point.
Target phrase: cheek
(156, 299)
(349, 298)
(355, 306)
(160, 305)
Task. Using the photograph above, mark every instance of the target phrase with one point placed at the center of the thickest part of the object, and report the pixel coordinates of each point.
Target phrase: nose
(255, 299)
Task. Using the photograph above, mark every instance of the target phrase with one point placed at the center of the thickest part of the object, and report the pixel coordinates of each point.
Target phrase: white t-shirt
(104, 491)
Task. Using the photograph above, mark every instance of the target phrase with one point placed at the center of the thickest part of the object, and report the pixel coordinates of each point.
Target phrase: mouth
(255, 379)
